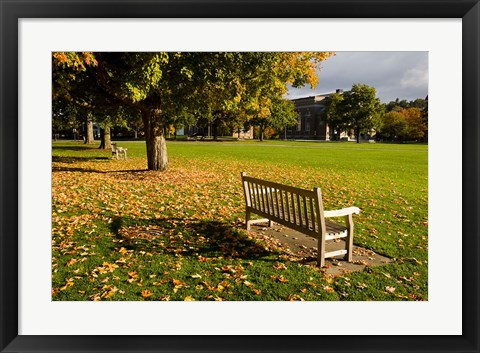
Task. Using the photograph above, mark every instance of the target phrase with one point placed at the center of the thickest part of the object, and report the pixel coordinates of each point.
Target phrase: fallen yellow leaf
(146, 293)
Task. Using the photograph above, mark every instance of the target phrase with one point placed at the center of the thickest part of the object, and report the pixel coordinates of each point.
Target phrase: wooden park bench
(298, 209)
(116, 151)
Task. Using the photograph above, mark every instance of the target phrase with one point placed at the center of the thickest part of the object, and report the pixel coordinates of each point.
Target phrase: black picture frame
(12, 11)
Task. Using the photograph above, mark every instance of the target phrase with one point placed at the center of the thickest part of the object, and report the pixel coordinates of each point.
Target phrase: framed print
(105, 249)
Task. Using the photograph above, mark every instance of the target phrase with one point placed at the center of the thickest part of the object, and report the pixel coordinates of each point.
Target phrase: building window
(299, 125)
(307, 121)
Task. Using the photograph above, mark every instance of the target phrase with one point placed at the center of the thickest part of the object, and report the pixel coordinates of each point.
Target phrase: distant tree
(390, 106)
(106, 120)
(418, 103)
(335, 115)
(283, 114)
(402, 103)
(65, 116)
(279, 114)
(132, 120)
(394, 125)
(398, 105)
(359, 110)
(416, 127)
(415, 113)
(425, 118)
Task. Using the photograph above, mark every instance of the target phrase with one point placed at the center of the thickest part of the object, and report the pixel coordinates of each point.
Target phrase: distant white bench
(116, 151)
(301, 210)
(371, 141)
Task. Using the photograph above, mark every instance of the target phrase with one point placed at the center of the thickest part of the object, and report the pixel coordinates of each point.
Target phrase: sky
(402, 75)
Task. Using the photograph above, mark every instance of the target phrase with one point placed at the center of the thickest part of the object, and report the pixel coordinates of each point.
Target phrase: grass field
(120, 232)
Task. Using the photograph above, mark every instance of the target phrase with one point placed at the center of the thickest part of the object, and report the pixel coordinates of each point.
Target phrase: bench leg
(321, 262)
(321, 253)
(349, 238)
(270, 223)
(247, 219)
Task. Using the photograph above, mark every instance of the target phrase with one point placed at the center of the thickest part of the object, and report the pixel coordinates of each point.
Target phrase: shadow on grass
(72, 160)
(88, 170)
(68, 159)
(79, 147)
(199, 239)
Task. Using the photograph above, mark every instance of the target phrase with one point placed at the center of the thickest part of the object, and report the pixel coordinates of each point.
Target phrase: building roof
(316, 98)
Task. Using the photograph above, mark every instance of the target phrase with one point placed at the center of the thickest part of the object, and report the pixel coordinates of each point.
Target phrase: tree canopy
(358, 109)
(167, 87)
(334, 114)
(394, 125)
(404, 124)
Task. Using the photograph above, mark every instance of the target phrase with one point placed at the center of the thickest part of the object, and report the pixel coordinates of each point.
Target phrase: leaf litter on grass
(186, 221)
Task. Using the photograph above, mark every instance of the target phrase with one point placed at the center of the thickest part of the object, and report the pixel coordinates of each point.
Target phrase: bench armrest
(343, 212)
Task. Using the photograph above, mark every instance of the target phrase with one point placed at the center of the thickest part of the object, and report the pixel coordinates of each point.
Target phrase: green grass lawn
(120, 232)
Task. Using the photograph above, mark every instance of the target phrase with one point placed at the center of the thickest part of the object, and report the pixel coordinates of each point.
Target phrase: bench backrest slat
(305, 210)
(288, 207)
(282, 206)
(312, 210)
(299, 210)
(291, 207)
(264, 194)
(278, 186)
(277, 204)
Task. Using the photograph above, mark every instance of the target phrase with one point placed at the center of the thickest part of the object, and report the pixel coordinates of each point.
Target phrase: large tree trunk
(155, 140)
(357, 133)
(157, 152)
(89, 130)
(105, 140)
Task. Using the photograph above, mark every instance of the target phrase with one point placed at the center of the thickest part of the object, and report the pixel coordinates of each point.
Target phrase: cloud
(402, 75)
(415, 78)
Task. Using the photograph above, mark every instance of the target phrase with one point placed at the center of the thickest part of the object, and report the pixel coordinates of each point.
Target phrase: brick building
(311, 123)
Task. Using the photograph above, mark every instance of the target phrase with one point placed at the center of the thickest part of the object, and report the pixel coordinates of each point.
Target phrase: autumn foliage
(121, 232)
(178, 87)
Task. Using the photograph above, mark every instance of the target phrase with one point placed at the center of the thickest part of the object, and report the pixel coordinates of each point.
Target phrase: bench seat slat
(333, 227)
(336, 236)
(335, 253)
(333, 230)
